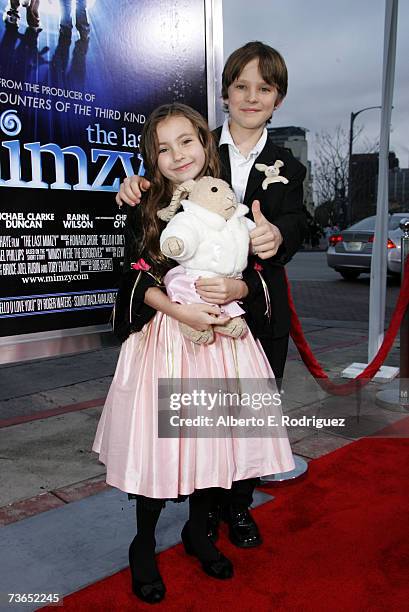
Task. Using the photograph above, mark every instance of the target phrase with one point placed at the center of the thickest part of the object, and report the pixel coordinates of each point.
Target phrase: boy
(254, 84)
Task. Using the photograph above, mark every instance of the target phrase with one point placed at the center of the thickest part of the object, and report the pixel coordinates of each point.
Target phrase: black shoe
(213, 522)
(220, 568)
(243, 531)
(149, 592)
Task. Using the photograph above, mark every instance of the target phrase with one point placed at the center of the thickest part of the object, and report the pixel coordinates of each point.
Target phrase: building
(399, 189)
(364, 183)
(294, 138)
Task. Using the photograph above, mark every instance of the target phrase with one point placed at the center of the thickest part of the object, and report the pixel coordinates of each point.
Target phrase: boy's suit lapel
(267, 156)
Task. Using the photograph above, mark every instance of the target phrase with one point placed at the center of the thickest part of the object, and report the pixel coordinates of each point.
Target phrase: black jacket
(280, 204)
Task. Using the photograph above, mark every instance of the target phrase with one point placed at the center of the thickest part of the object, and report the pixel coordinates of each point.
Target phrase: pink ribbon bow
(141, 265)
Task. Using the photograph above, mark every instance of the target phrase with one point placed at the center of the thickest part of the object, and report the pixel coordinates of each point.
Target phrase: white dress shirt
(239, 164)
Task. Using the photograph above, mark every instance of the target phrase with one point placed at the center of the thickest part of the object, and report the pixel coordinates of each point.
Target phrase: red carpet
(337, 540)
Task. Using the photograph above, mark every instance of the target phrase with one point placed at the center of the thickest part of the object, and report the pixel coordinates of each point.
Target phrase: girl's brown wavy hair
(160, 192)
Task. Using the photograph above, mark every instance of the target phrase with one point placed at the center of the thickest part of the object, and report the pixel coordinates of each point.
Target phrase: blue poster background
(72, 106)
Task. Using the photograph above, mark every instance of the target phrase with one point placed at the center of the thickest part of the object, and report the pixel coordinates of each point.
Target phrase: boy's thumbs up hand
(266, 238)
(257, 214)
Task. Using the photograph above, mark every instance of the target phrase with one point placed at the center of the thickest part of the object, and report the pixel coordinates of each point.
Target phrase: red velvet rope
(364, 377)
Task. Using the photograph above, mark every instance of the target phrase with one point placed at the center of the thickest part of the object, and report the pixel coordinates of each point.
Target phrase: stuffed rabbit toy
(210, 237)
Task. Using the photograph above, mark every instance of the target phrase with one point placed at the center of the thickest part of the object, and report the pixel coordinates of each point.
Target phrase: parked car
(350, 251)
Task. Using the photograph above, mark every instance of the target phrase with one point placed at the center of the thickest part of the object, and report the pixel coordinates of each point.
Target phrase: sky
(334, 54)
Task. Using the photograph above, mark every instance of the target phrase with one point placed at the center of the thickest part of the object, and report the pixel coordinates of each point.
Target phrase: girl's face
(181, 155)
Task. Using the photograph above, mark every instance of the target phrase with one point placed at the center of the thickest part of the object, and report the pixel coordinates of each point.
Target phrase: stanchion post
(404, 328)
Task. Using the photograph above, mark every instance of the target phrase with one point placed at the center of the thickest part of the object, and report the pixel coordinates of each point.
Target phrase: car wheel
(349, 274)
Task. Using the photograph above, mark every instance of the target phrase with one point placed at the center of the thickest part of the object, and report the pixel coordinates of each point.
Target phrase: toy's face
(215, 195)
(272, 171)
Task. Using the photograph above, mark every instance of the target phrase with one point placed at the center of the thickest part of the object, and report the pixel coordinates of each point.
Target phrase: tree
(331, 165)
(331, 169)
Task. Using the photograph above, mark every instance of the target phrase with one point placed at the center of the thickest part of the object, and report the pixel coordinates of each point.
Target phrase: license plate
(353, 246)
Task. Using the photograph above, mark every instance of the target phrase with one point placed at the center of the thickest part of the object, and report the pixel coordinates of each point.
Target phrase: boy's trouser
(276, 349)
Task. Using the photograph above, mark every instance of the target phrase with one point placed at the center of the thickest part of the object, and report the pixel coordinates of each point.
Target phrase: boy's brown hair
(271, 64)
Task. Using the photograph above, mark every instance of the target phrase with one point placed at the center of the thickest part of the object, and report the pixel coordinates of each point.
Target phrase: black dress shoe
(243, 531)
(221, 568)
(150, 592)
(213, 522)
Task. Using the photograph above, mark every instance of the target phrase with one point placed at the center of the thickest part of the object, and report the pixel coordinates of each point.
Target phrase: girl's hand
(199, 316)
(131, 190)
(220, 290)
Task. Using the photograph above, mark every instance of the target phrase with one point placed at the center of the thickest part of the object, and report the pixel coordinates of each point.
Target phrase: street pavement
(54, 504)
(320, 292)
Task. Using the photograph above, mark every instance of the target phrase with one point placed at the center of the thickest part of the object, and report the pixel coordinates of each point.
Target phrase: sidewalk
(54, 504)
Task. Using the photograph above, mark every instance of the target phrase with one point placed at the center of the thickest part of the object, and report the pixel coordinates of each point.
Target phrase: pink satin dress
(137, 460)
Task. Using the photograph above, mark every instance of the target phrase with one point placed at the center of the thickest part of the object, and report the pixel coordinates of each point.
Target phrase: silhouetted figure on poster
(7, 47)
(20, 51)
(28, 52)
(61, 56)
(78, 69)
(32, 16)
(81, 19)
(74, 76)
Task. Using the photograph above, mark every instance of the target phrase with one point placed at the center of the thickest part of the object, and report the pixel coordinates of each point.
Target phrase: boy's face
(251, 101)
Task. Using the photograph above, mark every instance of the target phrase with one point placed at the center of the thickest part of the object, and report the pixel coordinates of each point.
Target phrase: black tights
(200, 504)
(142, 550)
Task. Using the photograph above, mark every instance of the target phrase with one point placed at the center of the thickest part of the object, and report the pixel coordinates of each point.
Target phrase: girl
(176, 145)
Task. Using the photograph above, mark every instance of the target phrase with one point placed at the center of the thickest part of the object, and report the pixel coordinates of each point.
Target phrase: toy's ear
(261, 167)
(186, 187)
(167, 213)
(279, 163)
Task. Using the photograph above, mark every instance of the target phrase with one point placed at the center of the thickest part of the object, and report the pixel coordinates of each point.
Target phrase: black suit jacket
(282, 205)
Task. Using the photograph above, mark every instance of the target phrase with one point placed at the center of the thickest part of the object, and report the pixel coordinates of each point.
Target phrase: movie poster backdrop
(74, 96)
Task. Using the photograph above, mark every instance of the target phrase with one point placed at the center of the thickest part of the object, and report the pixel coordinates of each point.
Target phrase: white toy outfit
(212, 247)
